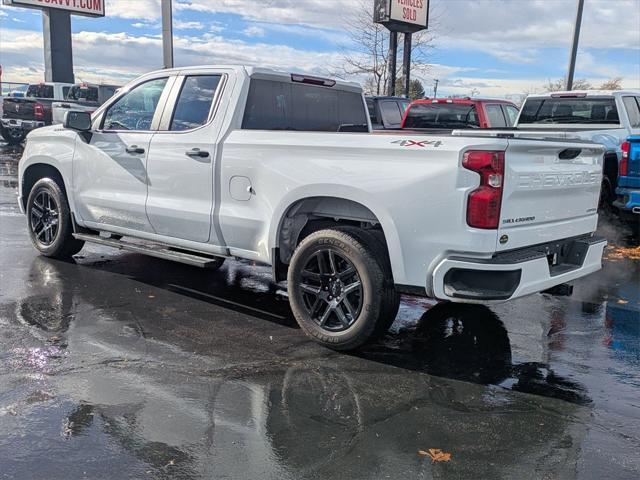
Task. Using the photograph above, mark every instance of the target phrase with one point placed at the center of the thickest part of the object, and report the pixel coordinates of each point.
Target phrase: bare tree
(560, 84)
(612, 84)
(368, 53)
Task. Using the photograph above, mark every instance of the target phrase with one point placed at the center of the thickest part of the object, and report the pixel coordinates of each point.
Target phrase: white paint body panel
(233, 202)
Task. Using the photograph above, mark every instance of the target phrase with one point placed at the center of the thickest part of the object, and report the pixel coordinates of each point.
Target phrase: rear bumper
(517, 273)
(26, 125)
(628, 200)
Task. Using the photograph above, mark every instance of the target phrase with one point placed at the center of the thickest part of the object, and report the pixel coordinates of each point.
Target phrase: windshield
(570, 110)
(83, 93)
(441, 115)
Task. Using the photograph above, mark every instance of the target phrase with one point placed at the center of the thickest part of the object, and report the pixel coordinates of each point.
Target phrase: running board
(153, 250)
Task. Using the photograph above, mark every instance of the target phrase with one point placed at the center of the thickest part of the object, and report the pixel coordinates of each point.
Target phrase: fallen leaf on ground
(436, 455)
(620, 253)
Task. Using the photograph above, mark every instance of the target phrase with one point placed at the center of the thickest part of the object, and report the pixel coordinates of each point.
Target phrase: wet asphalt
(117, 366)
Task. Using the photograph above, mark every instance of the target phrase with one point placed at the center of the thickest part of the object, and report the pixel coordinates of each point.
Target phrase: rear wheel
(337, 288)
(49, 220)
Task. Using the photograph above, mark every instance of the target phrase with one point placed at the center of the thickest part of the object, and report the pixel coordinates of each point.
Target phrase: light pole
(574, 46)
(435, 88)
(167, 34)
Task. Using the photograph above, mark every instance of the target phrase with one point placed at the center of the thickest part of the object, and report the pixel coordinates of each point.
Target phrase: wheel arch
(35, 172)
(300, 212)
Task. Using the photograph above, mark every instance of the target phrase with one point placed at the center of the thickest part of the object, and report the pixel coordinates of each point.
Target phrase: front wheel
(49, 220)
(337, 289)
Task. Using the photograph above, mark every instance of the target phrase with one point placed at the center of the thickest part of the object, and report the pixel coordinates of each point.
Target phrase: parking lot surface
(117, 365)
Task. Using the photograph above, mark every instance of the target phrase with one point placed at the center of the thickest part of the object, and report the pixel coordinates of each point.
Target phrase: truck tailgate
(551, 191)
(18, 108)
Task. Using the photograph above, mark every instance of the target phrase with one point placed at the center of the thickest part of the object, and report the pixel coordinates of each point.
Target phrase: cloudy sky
(493, 47)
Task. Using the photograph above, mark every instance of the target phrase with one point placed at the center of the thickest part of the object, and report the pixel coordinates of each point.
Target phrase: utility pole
(435, 88)
(167, 34)
(406, 63)
(393, 53)
(574, 46)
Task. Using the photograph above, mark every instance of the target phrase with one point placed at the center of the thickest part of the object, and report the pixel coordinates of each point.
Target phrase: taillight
(483, 204)
(624, 161)
(38, 111)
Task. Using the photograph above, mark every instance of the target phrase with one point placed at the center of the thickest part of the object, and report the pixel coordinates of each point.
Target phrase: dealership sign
(402, 15)
(91, 8)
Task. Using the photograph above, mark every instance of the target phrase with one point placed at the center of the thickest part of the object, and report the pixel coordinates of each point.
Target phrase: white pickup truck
(202, 163)
(606, 117)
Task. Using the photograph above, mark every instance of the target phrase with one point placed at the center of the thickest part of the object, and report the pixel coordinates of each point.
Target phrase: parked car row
(46, 103)
(604, 117)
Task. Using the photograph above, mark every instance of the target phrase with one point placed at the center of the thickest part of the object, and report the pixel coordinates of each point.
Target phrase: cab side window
(511, 113)
(632, 105)
(194, 103)
(135, 110)
(495, 116)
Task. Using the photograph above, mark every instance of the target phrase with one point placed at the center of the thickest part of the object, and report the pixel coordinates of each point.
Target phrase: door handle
(134, 149)
(196, 152)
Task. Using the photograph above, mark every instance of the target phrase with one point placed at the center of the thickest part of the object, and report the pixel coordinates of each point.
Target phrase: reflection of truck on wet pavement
(22, 114)
(602, 116)
(200, 164)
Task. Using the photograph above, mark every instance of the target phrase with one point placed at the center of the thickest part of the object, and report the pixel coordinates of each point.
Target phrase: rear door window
(279, 105)
(441, 115)
(194, 103)
(632, 107)
(495, 116)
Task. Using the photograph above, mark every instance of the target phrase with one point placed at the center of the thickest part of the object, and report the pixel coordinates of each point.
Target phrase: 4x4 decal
(414, 143)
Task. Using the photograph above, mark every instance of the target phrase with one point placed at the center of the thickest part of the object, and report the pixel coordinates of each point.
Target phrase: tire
(49, 221)
(605, 202)
(13, 136)
(375, 239)
(337, 288)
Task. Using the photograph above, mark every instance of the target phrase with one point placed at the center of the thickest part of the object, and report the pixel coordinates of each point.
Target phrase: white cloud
(253, 31)
(134, 9)
(180, 25)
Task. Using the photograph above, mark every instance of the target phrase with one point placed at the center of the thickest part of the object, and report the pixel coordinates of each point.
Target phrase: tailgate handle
(569, 153)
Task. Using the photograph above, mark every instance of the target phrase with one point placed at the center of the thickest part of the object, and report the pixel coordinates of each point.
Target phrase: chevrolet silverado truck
(200, 164)
(606, 117)
(22, 114)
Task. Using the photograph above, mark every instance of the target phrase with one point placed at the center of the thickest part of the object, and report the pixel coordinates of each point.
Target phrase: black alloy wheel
(44, 218)
(332, 290)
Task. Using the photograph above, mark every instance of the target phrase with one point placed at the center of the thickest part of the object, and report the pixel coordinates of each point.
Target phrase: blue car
(628, 190)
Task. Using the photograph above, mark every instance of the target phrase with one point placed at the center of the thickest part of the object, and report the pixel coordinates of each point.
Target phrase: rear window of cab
(277, 105)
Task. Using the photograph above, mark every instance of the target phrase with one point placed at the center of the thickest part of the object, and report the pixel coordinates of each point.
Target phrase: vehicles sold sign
(402, 15)
(91, 8)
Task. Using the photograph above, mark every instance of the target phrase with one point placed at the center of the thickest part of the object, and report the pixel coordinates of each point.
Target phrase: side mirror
(80, 121)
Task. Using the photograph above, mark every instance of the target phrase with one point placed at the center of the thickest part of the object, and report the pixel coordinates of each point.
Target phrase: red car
(447, 113)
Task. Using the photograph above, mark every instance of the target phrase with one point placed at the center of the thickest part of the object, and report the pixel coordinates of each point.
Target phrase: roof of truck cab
(461, 100)
(263, 73)
(588, 93)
